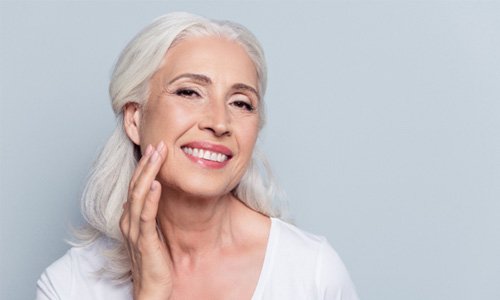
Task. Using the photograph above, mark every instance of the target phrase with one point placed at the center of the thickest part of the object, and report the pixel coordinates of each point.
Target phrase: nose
(216, 119)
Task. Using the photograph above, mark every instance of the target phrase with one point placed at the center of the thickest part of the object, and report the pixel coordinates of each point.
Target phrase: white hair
(107, 186)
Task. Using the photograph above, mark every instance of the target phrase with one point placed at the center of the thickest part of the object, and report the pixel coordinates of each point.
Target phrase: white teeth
(205, 154)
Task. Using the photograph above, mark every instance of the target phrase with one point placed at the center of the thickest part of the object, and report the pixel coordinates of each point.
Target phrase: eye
(188, 93)
(243, 105)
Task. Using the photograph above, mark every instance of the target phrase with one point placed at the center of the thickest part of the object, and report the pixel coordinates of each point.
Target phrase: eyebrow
(206, 80)
(244, 87)
(196, 77)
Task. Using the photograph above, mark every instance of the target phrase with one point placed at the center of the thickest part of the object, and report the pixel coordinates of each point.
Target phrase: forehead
(218, 58)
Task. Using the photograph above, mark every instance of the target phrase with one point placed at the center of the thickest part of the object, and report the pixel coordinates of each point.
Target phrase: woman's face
(204, 104)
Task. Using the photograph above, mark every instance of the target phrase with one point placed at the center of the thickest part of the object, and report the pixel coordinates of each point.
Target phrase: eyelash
(191, 93)
(242, 104)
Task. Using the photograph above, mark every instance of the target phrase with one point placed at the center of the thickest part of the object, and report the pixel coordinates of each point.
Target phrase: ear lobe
(132, 121)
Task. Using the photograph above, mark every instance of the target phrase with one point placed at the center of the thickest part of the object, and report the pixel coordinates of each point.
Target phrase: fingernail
(153, 186)
(154, 157)
(149, 148)
(160, 146)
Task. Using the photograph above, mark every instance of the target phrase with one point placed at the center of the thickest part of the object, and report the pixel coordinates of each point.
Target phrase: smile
(205, 154)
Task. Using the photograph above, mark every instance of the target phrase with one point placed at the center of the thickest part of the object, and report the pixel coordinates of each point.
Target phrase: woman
(176, 208)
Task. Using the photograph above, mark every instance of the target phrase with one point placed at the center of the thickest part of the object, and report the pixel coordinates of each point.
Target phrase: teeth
(205, 154)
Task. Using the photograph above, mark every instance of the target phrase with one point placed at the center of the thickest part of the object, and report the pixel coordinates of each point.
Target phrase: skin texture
(207, 244)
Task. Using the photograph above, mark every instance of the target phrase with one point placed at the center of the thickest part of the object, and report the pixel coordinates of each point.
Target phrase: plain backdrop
(383, 130)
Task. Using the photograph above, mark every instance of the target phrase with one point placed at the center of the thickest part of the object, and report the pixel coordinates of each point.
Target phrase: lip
(210, 147)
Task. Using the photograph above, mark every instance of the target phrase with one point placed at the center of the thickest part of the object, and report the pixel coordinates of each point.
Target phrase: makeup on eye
(191, 93)
(243, 105)
(187, 92)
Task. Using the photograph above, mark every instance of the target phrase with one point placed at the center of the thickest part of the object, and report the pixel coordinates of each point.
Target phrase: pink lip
(211, 147)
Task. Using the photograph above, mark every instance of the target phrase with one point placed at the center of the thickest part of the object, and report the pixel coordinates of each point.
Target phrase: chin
(201, 186)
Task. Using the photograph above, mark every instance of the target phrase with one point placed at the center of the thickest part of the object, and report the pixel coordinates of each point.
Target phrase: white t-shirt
(297, 265)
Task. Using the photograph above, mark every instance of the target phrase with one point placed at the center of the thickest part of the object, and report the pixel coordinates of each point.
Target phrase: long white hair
(107, 186)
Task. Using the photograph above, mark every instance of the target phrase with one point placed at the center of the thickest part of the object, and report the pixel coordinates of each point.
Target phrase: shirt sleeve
(334, 282)
(55, 281)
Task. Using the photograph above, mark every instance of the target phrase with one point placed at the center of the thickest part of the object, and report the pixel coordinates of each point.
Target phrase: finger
(144, 162)
(125, 217)
(143, 180)
(125, 220)
(125, 228)
(142, 188)
(140, 165)
(148, 215)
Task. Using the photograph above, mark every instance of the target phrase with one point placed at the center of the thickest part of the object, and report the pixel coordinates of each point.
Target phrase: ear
(132, 121)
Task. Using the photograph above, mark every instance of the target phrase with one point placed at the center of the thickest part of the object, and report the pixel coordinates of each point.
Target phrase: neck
(193, 226)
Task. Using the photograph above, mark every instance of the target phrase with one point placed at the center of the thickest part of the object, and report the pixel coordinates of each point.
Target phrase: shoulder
(75, 272)
(84, 259)
(332, 276)
(291, 234)
(313, 261)
(295, 241)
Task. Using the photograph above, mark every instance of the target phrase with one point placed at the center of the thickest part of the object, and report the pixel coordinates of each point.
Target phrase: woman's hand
(149, 255)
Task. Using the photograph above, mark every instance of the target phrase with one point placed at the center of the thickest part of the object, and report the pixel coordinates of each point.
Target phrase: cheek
(166, 123)
(250, 130)
(251, 140)
(248, 137)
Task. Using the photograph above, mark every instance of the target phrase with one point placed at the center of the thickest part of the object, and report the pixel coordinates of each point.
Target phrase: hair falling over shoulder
(107, 186)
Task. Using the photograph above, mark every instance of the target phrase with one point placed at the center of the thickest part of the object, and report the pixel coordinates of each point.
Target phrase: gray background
(383, 131)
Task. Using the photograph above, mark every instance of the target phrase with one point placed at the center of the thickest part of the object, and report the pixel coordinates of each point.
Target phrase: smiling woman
(176, 207)
(196, 102)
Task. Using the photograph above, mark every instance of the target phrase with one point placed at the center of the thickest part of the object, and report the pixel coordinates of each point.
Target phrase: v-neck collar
(267, 266)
